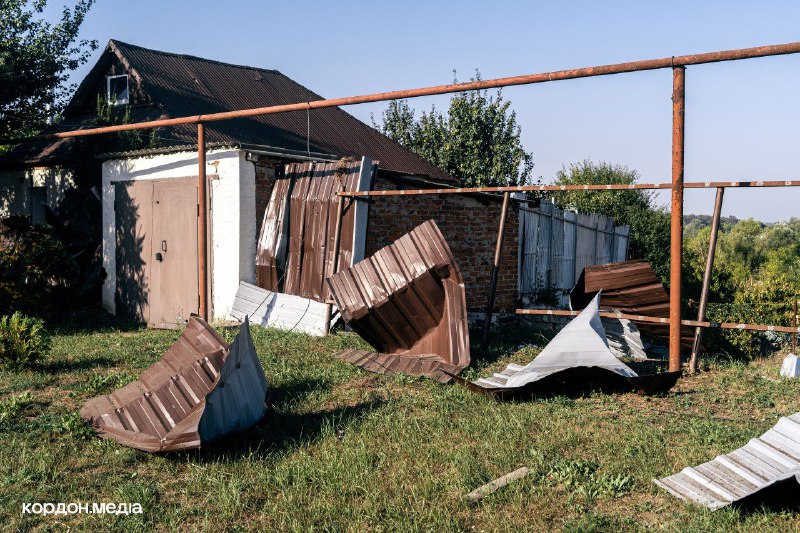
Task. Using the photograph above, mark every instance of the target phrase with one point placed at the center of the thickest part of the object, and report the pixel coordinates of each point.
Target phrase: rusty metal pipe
(609, 187)
(501, 230)
(336, 244)
(526, 79)
(202, 224)
(712, 248)
(676, 219)
(665, 321)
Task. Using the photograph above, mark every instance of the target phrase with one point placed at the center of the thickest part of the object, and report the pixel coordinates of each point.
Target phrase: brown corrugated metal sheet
(272, 238)
(312, 211)
(179, 85)
(408, 302)
(629, 287)
(170, 406)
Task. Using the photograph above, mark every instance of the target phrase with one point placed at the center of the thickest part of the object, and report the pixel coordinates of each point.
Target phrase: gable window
(117, 89)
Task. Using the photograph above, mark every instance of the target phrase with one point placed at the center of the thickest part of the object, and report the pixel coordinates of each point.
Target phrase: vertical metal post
(676, 222)
(712, 248)
(495, 272)
(336, 244)
(202, 223)
(794, 325)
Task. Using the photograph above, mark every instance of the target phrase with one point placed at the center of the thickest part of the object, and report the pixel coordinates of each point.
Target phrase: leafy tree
(477, 141)
(650, 224)
(35, 60)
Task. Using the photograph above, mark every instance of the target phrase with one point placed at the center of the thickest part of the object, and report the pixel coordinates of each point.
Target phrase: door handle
(159, 257)
(164, 246)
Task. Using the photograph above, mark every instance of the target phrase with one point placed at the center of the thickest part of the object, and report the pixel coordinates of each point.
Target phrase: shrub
(23, 340)
(35, 267)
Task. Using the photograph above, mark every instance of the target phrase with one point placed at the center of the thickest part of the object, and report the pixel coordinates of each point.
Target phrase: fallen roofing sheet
(296, 245)
(630, 287)
(278, 310)
(408, 302)
(581, 351)
(200, 390)
(735, 477)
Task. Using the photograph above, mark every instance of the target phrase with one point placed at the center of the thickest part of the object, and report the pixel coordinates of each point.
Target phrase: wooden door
(174, 272)
(133, 214)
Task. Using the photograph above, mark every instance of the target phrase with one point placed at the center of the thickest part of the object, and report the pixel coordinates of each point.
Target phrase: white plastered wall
(232, 210)
(15, 188)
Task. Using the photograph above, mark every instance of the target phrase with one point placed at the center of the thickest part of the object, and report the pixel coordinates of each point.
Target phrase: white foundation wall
(232, 217)
(15, 188)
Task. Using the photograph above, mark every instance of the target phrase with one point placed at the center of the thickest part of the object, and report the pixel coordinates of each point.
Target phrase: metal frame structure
(677, 185)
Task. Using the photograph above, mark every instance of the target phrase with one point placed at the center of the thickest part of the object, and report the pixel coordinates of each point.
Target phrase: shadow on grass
(782, 497)
(279, 431)
(88, 320)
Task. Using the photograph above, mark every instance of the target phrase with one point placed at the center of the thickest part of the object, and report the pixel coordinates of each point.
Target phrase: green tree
(650, 224)
(36, 57)
(477, 141)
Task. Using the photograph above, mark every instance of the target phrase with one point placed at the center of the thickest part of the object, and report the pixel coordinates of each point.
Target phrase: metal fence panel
(556, 245)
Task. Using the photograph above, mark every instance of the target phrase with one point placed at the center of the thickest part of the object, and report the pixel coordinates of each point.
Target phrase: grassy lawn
(344, 450)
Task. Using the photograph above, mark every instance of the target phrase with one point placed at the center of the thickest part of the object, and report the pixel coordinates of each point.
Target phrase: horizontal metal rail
(525, 79)
(608, 187)
(665, 321)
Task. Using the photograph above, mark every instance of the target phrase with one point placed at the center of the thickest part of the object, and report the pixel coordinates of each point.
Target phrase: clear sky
(742, 118)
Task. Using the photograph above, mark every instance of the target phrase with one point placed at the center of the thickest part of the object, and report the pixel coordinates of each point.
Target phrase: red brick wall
(469, 223)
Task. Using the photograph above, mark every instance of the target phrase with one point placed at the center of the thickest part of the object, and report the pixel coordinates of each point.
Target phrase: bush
(35, 267)
(23, 340)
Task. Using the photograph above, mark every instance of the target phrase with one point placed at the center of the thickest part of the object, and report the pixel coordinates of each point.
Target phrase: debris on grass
(200, 390)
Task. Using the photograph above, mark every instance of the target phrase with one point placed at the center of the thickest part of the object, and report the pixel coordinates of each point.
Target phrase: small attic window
(117, 89)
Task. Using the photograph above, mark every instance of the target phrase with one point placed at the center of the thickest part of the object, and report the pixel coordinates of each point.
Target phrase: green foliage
(477, 141)
(756, 278)
(35, 60)
(73, 425)
(13, 407)
(582, 477)
(23, 340)
(35, 268)
(650, 225)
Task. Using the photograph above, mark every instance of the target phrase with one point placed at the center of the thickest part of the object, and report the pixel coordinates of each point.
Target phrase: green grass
(344, 450)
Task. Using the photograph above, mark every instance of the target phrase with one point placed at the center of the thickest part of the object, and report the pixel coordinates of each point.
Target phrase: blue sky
(742, 118)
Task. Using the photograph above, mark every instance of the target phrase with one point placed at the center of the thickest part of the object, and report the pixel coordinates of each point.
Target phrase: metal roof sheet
(200, 390)
(734, 477)
(408, 302)
(630, 287)
(278, 310)
(581, 344)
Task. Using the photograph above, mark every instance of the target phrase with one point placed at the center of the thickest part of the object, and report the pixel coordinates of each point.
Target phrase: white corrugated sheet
(761, 463)
(556, 245)
(278, 310)
(237, 402)
(582, 343)
(791, 366)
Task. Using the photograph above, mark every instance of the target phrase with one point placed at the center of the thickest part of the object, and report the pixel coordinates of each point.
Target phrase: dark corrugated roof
(180, 85)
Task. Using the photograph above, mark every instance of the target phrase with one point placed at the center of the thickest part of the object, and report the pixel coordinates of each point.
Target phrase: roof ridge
(117, 43)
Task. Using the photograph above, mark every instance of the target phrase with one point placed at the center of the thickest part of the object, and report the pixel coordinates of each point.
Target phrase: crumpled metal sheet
(630, 287)
(741, 475)
(578, 352)
(277, 310)
(200, 390)
(408, 302)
